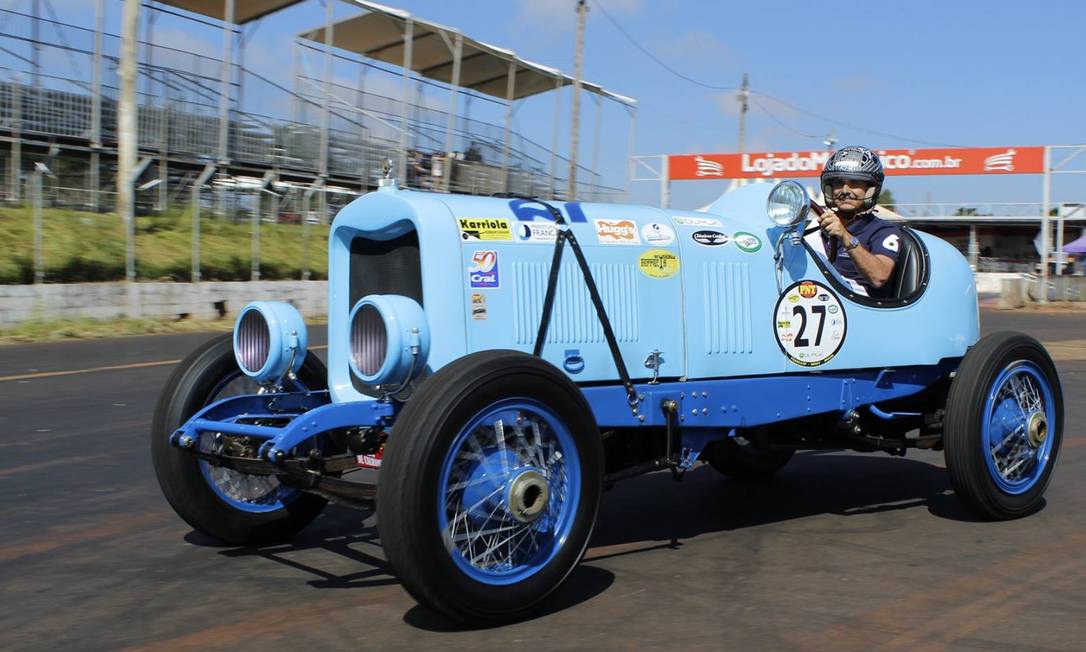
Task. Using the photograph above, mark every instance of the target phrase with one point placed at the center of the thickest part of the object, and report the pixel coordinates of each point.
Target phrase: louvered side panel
(574, 319)
(727, 308)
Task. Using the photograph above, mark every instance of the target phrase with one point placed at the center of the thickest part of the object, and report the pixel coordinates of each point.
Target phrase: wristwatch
(852, 245)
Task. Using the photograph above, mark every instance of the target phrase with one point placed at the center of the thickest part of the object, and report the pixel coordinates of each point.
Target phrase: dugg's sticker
(623, 232)
(658, 263)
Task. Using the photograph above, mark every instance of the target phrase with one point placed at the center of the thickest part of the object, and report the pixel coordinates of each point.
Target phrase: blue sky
(958, 73)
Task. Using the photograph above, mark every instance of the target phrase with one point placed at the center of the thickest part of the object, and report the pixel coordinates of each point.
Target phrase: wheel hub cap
(527, 495)
(1037, 429)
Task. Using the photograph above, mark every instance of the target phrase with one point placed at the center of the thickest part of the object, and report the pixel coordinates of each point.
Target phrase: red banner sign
(950, 160)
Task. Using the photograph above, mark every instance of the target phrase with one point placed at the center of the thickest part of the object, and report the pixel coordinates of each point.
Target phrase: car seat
(909, 270)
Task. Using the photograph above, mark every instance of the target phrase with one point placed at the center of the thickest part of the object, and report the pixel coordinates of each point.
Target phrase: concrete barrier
(211, 300)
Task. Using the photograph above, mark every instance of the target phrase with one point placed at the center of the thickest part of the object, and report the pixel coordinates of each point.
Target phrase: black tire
(966, 457)
(407, 494)
(738, 463)
(179, 474)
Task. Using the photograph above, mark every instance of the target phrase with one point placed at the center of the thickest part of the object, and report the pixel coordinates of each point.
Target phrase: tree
(886, 199)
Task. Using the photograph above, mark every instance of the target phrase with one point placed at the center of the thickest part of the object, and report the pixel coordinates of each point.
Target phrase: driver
(867, 247)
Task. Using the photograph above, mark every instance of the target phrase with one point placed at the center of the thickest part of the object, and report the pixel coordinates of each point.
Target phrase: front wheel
(233, 507)
(1003, 426)
(489, 486)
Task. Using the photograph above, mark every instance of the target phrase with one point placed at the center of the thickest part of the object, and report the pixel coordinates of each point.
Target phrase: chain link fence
(221, 232)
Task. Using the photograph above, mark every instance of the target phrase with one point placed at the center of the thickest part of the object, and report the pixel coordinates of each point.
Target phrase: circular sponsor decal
(747, 242)
(658, 263)
(710, 238)
(655, 233)
(810, 324)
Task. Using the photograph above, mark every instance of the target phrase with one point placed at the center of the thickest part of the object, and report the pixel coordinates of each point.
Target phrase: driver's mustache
(844, 194)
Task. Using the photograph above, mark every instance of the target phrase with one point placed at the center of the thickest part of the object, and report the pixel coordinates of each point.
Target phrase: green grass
(80, 246)
(63, 329)
(82, 329)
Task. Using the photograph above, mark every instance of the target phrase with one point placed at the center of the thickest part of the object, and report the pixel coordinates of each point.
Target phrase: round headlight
(788, 204)
(389, 339)
(269, 339)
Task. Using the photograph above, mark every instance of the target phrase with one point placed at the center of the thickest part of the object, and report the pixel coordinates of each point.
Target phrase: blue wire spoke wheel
(489, 487)
(1003, 426)
(233, 507)
(509, 489)
(244, 491)
(1020, 408)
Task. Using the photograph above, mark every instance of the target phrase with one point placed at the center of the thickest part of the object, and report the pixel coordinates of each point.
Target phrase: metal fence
(179, 95)
(309, 209)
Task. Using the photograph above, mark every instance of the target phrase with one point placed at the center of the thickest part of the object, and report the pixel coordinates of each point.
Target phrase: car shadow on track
(648, 513)
(353, 535)
(654, 508)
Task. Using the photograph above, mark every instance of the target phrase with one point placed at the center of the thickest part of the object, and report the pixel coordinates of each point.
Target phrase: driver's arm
(877, 262)
(876, 268)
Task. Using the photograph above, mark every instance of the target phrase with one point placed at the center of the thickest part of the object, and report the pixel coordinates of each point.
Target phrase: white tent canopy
(243, 11)
(383, 33)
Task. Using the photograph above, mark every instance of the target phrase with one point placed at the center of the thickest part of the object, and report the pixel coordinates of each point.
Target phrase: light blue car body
(712, 319)
(709, 307)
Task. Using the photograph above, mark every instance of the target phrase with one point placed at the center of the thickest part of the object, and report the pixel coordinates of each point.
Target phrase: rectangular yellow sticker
(477, 229)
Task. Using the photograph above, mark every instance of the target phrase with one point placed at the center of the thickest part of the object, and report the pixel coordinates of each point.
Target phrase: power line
(652, 56)
(780, 122)
(846, 125)
(798, 109)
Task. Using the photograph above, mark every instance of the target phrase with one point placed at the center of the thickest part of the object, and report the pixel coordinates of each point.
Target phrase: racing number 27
(801, 312)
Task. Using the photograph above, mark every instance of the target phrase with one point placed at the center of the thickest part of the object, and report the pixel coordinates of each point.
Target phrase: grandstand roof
(244, 10)
(379, 34)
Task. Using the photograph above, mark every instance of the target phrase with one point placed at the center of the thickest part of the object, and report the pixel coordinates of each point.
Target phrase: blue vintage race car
(504, 359)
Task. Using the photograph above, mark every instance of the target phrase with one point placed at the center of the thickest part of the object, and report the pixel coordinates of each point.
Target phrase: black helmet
(854, 162)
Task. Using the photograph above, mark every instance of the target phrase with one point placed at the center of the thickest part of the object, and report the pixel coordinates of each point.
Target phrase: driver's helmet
(854, 162)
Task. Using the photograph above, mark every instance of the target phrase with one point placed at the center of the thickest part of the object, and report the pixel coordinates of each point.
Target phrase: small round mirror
(788, 204)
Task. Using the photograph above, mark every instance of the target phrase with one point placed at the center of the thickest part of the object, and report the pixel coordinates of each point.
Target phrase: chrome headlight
(788, 204)
(269, 340)
(389, 339)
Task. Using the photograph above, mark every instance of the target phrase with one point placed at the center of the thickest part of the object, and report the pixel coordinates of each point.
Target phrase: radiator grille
(574, 319)
(383, 267)
(727, 308)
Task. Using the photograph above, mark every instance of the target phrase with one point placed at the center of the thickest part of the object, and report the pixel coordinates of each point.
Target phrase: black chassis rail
(315, 474)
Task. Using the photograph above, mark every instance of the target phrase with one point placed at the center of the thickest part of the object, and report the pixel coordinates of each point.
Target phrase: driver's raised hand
(830, 222)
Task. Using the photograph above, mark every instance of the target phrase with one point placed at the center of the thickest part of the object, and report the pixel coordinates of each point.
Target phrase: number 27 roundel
(810, 324)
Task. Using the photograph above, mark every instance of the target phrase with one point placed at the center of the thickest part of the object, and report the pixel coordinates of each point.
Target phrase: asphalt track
(841, 551)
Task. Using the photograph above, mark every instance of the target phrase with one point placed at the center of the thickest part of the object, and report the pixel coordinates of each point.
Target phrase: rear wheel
(1003, 426)
(489, 486)
(233, 507)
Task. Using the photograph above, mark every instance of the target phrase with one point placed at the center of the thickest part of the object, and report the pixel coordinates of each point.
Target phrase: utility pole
(578, 68)
(126, 131)
(744, 106)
